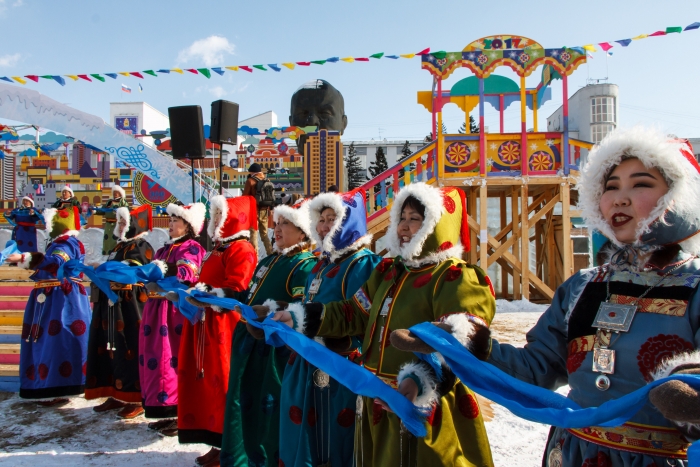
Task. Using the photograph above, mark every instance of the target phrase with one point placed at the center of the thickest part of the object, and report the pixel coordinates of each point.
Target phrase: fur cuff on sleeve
(35, 260)
(162, 265)
(298, 316)
(272, 305)
(201, 286)
(470, 333)
(427, 390)
(219, 293)
(313, 312)
(683, 361)
(26, 259)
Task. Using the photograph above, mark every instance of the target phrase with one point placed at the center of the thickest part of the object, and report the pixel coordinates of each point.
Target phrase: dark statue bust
(318, 103)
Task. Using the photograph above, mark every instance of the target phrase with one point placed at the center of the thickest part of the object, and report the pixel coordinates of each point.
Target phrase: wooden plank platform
(14, 273)
(9, 370)
(11, 330)
(12, 349)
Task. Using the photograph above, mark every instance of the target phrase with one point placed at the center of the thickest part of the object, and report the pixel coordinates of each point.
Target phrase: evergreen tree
(444, 128)
(380, 164)
(463, 129)
(405, 154)
(356, 174)
(473, 127)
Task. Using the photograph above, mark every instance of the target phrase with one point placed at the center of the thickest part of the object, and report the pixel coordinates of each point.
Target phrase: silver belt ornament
(321, 379)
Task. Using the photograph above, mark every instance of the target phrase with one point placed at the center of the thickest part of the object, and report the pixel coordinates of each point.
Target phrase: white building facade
(132, 117)
(366, 150)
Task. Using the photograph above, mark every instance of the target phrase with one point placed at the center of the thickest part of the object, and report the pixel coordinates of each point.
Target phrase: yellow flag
(641, 36)
(234, 68)
(408, 55)
(348, 59)
(289, 65)
(73, 77)
(19, 79)
(124, 73)
(176, 70)
(590, 48)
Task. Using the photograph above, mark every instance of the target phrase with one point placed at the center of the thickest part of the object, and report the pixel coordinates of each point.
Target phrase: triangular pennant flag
(34, 78)
(150, 72)
(288, 65)
(332, 59)
(111, 75)
(205, 72)
(590, 48)
(361, 59)
(177, 70)
(19, 79)
(124, 73)
(218, 70)
(690, 27)
(246, 68)
(391, 56)
(318, 62)
(59, 80)
(73, 77)
(85, 77)
(657, 33)
(672, 29)
(97, 77)
(234, 68)
(641, 36)
(423, 52)
(274, 66)
(377, 55)
(304, 63)
(5, 78)
(192, 70)
(605, 46)
(348, 59)
(408, 55)
(624, 42)
(260, 67)
(163, 70)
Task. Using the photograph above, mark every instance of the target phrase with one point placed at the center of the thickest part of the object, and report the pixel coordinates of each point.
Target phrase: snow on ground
(75, 435)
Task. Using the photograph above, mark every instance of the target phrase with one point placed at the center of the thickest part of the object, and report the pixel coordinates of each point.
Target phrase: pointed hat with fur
(193, 214)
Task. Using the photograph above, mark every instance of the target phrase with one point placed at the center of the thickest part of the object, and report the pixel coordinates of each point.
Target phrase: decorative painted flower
(541, 161)
(457, 153)
(565, 56)
(524, 58)
(441, 61)
(509, 152)
(482, 59)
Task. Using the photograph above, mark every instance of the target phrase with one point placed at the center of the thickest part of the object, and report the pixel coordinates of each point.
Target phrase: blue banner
(535, 403)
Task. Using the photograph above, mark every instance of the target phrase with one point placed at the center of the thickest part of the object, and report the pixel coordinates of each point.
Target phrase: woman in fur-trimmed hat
(113, 349)
(110, 217)
(24, 220)
(161, 325)
(66, 199)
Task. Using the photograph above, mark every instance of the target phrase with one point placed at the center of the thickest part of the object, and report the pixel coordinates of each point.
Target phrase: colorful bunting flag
(273, 66)
(348, 59)
(137, 74)
(73, 77)
(192, 70)
(98, 77)
(641, 36)
(423, 52)
(361, 59)
(674, 29)
(408, 55)
(85, 77)
(288, 65)
(205, 72)
(234, 68)
(332, 59)
(124, 73)
(318, 62)
(590, 48)
(218, 71)
(690, 27)
(5, 78)
(377, 55)
(246, 68)
(304, 63)
(624, 42)
(392, 56)
(34, 78)
(657, 33)
(260, 67)
(605, 46)
(176, 70)
(164, 71)
(111, 75)
(150, 72)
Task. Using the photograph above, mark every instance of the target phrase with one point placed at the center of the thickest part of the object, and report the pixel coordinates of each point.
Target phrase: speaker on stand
(223, 130)
(187, 135)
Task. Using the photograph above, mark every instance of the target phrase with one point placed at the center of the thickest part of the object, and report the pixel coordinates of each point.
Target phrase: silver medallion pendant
(602, 382)
(555, 458)
(321, 379)
(359, 405)
(41, 298)
(604, 361)
(614, 317)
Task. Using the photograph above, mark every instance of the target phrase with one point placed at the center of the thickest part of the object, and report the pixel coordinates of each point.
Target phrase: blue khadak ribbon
(10, 249)
(533, 402)
(352, 376)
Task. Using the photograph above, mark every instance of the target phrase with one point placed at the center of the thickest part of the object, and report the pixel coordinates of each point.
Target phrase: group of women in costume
(211, 377)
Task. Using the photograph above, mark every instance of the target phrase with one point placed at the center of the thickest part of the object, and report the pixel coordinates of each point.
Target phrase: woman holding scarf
(251, 427)
(113, 348)
(53, 350)
(613, 329)
(205, 348)
(161, 326)
(317, 425)
(425, 281)
(24, 221)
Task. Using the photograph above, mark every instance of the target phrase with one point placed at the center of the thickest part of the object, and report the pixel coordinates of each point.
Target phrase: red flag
(304, 63)
(85, 77)
(192, 70)
(34, 78)
(658, 33)
(424, 51)
(361, 59)
(134, 73)
(247, 68)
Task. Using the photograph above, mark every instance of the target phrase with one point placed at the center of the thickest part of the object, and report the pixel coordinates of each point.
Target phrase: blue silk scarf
(534, 403)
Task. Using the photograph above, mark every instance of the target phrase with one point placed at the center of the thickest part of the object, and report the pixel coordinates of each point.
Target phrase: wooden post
(524, 244)
(567, 253)
(504, 220)
(565, 132)
(482, 133)
(514, 210)
(483, 223)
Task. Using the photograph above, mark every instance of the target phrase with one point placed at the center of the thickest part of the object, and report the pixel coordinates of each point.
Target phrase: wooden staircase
(15, 287)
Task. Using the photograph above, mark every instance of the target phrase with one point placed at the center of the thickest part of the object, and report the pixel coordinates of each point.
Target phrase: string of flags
(277, 67)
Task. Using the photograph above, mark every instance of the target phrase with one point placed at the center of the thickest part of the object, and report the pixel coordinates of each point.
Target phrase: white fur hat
(297, 215)
(193, 214)
(27, 198)
(676, 217)
(118, 189)
(69, 189)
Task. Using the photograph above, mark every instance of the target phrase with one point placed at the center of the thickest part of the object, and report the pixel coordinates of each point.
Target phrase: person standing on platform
(161, 326)
(24, 220)
(53, 349)
(204, 360)
(251, 426)
(259, 187)
(110, 217)
(66, 199)
(113, 349)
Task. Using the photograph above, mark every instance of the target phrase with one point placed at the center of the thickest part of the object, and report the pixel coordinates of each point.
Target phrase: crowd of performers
(211, 377)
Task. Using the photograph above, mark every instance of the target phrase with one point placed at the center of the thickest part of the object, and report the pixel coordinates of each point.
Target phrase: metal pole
(221, 169)
(192, 173)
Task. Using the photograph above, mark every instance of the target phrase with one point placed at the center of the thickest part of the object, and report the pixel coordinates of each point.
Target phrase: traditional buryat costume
(53, 350)
(582, 338)
(110, 218)
(24, 231)
(161, 325)
(251, 427)
(113, 351)
(205, 348)
(61, 203)
(317, 425)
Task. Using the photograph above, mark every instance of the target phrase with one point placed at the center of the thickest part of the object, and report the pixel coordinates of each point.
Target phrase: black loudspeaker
(187, 132)
(224, 122)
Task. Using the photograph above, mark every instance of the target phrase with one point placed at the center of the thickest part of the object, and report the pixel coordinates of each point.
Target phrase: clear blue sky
(658, 76)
